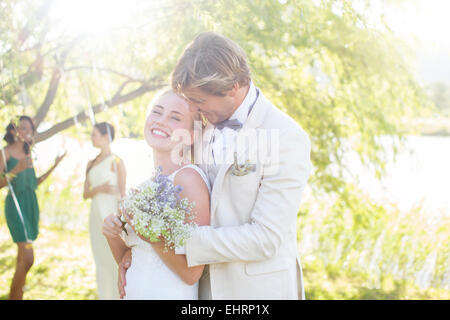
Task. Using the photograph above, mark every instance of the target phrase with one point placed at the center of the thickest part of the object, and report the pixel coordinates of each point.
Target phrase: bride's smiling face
(167, 115)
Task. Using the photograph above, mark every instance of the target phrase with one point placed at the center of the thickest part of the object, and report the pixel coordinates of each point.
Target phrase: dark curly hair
(10, 137)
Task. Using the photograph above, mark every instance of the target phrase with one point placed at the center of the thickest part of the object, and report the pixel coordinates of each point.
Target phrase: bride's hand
(124, 264)
(128, 216)
(112, 226)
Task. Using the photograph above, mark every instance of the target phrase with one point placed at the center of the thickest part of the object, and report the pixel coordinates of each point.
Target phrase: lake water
(419, 177)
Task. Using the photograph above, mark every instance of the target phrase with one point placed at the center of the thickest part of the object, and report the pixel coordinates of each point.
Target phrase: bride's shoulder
(191, 176)
(192, 167)
(196, 189)
(188, 172)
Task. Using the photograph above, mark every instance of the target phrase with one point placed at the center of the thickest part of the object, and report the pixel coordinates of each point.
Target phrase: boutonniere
(242, 169)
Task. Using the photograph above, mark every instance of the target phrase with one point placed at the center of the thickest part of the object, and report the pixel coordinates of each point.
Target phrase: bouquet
(159, 213)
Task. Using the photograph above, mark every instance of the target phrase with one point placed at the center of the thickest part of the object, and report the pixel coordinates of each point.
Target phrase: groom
(251, 244)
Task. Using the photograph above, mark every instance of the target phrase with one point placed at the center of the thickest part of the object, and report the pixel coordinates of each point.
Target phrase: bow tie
(234, 124)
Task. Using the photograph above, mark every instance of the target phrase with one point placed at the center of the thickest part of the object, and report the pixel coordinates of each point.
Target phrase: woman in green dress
(23, 224)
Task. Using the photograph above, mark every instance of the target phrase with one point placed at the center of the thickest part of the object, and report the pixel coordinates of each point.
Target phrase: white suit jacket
(251, 244)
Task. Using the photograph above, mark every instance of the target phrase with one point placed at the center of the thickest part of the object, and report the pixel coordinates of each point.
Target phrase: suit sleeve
(275, 210)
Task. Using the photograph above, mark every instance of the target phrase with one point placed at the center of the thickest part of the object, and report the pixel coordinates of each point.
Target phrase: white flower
(157, 215)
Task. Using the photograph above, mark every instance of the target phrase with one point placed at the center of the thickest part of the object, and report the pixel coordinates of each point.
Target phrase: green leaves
(321, 62)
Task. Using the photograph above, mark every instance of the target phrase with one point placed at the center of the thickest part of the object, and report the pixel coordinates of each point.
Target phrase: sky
(426, 25)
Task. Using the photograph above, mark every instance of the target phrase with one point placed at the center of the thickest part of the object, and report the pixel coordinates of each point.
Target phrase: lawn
(64, 270)
(63, 266)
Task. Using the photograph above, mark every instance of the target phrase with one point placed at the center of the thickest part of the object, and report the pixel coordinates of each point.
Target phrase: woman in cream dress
(105, 184)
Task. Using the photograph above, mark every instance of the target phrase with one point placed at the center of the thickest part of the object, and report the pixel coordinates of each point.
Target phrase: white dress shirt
(222, 139)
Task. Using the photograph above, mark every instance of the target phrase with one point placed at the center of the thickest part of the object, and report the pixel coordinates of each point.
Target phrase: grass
(331, 283)
(355, 248)
(64, 270)
(338, 241)
(63, 267)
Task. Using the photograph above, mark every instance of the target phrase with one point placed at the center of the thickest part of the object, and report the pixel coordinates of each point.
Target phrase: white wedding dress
(148, 278)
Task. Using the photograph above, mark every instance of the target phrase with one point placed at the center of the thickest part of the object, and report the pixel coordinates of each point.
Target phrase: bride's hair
(168, 90)
(161, 93)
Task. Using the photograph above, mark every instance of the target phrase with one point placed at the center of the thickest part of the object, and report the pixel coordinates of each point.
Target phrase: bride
(155, 274)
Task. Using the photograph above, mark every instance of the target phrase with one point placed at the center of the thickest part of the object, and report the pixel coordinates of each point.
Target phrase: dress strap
(196, 168)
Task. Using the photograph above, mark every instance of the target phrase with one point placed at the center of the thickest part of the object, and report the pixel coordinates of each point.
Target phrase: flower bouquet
(159, 212)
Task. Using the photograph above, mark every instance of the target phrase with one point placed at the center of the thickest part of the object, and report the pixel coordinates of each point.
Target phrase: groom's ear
(234, 90)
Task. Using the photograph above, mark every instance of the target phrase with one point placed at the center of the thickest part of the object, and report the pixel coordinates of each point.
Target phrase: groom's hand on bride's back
(112, 226)
(123, 267)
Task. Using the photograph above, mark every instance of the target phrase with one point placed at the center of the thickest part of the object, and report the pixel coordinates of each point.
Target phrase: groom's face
(214, 108)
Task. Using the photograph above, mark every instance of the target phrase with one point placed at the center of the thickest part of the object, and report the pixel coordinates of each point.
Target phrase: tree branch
(83, 116)
(53, 86)
(106, 70)
(32, 75)
(49, 97)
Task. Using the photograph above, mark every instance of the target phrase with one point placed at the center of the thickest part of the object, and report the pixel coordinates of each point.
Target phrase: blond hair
(165, 91)
(159, 94)
(212, 63)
